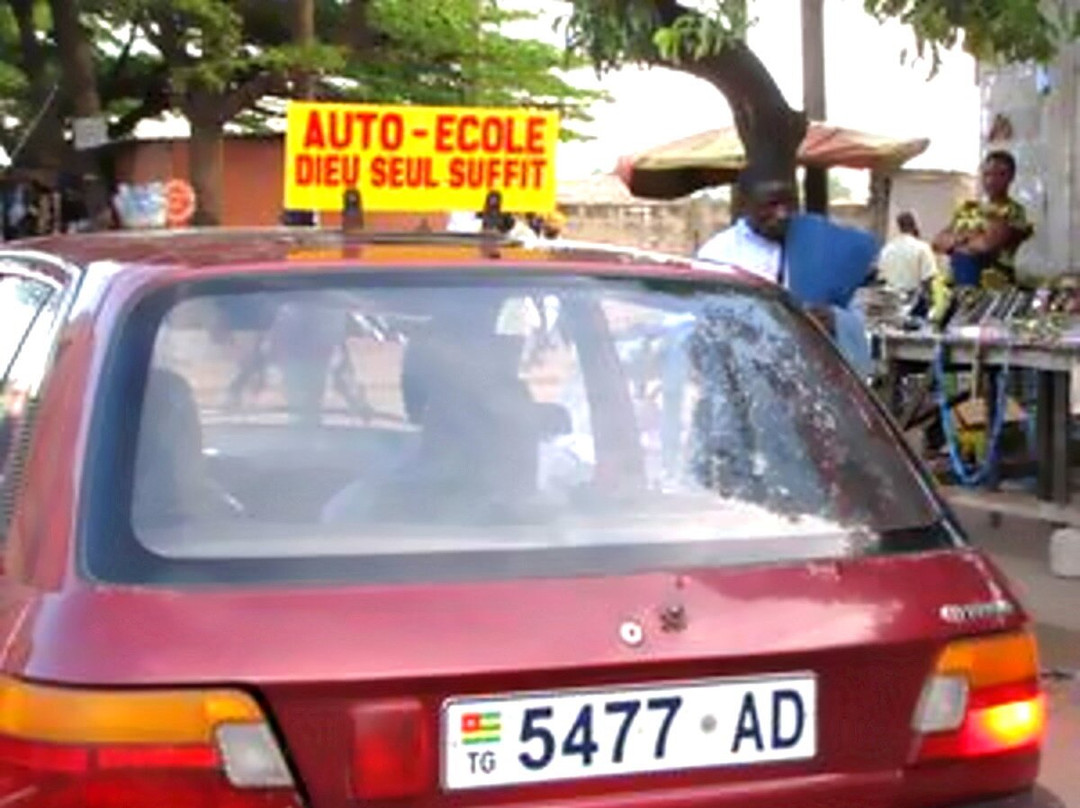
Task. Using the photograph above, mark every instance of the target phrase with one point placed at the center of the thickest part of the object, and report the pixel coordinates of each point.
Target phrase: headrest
(168, 464)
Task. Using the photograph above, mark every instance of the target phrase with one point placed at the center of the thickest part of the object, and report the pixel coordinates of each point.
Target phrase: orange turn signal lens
(990, 661)
(68, 715)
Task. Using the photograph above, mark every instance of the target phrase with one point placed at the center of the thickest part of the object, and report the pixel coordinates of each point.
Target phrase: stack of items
(993, 307)
(1046, 314)
(141, 207)
(883, 307)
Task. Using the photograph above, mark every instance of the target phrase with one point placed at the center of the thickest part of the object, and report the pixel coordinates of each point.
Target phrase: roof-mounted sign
(406, 158)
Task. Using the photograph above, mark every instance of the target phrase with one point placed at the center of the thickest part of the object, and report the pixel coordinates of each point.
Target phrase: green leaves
(611, 33)
(12, 80)
(695, 36)
(458, 52)
(995, 31)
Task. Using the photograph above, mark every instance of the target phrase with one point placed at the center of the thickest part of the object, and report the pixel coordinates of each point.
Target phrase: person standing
(985, 234)
(907, 262)
(755, 242)
(819, 262)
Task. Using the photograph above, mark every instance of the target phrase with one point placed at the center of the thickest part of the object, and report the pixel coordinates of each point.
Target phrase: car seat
(171, 483)
(480, 427)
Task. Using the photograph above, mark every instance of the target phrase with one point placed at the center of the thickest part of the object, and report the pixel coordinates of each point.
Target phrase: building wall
(931, 195)
(673, 227)
(254, 169)
(1033, 114)
(681, 227)
(254, 178)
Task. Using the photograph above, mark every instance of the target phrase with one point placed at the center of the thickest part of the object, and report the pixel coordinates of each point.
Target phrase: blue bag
(826, 261)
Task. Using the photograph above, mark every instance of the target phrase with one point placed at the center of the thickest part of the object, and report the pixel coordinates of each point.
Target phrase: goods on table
(883, 305)
(1049, 313)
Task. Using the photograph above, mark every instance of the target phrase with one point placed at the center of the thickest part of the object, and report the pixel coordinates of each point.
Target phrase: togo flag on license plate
(480, 728)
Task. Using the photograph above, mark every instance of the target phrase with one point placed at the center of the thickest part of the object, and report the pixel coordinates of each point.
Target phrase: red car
(296, 518)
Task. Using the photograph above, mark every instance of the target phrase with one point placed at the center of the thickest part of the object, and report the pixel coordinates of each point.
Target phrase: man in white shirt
(755, 243)
(907, 261)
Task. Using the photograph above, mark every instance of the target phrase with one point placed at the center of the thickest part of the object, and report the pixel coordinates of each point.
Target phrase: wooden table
(903, 353)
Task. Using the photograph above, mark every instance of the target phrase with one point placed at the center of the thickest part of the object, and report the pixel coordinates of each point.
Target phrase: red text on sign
(497, 172)
(327, 170)
(340, 129)
(494, 134)
(402, 172)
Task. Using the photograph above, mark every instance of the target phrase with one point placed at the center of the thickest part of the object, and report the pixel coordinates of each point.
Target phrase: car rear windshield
(435, 426)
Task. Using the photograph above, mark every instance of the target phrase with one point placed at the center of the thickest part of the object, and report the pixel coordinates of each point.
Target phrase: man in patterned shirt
(985, 235)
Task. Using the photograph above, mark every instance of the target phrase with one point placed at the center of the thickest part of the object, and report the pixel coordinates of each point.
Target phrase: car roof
(227, 247)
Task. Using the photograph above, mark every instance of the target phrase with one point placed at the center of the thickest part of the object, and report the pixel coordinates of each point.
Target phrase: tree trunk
(208, 111)
(80, 80)
(816, 182)
(43, 146)
(206, 170)
(770, 130)
(303, 32)
(358, 34)
(76, 58)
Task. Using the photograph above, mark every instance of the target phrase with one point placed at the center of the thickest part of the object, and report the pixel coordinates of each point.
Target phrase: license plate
(543, 737)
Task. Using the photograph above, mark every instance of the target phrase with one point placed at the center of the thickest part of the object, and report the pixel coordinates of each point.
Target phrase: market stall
(999, 361)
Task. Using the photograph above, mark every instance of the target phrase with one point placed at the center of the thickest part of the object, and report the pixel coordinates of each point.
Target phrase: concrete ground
(1021, 548)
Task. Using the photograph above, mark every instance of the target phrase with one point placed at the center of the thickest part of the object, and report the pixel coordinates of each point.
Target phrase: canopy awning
(716, 157)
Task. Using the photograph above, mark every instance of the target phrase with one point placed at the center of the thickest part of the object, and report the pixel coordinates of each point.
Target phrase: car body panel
(870, 628)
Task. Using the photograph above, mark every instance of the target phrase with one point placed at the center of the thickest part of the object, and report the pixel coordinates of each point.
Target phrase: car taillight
(983, 698)
(87, 748)
(392, 750)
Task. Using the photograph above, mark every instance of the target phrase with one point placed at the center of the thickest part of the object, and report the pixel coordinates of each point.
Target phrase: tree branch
(770, 130)
(151, 107)
(166, 38)
(32, 55)
(250, 91)
(136, 85)
(122, 58)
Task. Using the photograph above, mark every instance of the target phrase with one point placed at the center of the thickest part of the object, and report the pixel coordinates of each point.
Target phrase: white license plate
(541, 737)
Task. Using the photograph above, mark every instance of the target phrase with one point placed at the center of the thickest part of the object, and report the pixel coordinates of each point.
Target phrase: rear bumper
(943, 785)
(819, 791)
(1037, 798)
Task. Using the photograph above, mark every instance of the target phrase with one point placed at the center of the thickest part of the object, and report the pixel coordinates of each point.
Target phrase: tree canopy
(708, 39)
(218, 61)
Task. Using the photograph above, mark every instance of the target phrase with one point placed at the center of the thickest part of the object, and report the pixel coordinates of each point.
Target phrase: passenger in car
(480, 432)
(171, 483)
(306, 341)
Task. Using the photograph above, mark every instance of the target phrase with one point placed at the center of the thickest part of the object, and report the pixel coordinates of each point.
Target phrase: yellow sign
(403, 158)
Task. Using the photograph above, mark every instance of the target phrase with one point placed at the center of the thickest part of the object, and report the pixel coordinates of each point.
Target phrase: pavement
(1021, 548)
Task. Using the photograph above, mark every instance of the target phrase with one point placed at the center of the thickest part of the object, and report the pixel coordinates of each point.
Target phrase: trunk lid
(865, 635)
(866, 632)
